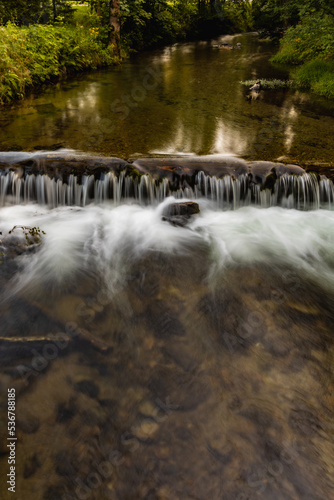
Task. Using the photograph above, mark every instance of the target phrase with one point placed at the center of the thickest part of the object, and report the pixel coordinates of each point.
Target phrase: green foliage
(33, 235)
(312, 71)
(35, 54)
(325, 85)
(310, 45)
(85, 17)
(312, 38)
(25, 12)
(318, 76)
(240, 15)
(278, 15)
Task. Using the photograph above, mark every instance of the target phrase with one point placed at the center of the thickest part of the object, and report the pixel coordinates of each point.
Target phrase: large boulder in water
(261, 171)
(179, 214)
(181, 172)
(60, 164)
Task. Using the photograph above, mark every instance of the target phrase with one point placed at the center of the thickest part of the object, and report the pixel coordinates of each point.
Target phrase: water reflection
(228, 140)
(289, 121)
(184, 98)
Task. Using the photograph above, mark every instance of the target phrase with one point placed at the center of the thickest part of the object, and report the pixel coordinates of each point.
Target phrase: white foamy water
(107, 240)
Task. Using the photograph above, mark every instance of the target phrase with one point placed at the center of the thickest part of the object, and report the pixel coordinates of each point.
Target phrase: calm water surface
(186, 98)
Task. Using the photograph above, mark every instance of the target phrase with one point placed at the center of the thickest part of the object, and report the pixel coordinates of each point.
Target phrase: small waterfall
(303, 192)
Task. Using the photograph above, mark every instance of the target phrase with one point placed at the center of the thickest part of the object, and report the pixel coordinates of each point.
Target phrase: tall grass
(310, 45)
(318, 76)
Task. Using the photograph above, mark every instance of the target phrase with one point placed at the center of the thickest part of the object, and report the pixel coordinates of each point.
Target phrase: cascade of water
(302, 192)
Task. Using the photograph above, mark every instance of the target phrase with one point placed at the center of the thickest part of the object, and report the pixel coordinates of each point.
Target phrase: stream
(183, 99)
(152, 361)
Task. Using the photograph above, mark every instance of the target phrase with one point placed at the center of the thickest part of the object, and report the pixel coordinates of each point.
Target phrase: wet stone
(183, 390)
(148, 409)
(259, 417)
(87, 387)
(65, 464)
(277, 347)
(222, 456)
(146, 429)
(187, 208)
(66, 411)
(162, 322)
(55, 492)
(179, 214)
(109, 405)
(31, 466)
(175, 353)
(29, 425)
(304, 422)
(235, 403)
(93, 416)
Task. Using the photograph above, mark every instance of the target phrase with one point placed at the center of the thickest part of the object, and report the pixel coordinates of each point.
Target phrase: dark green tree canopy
(25, 12)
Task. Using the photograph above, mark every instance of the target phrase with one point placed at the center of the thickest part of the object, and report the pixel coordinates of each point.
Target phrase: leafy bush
(310, 39)
(311, 45)
(35, 54)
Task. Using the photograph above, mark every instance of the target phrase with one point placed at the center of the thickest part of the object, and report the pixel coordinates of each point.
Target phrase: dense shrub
(310, 45)
(35, 54)
(310, 39)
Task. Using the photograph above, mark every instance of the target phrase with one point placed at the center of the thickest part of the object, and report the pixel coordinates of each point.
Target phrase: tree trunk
(115, 26)
(54, 10)
(98, 8)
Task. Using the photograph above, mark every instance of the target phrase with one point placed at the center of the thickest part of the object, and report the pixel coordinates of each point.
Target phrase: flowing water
(152, 361)
(156, 362)
(304, 192)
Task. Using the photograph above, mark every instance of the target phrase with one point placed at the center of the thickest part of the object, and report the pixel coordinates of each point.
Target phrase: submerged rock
(186, 208)
(261, 171)
(184, 170)
(179, 214)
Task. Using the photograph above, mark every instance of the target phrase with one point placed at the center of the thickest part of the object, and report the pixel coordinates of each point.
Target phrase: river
(152, 361)
(184, 99)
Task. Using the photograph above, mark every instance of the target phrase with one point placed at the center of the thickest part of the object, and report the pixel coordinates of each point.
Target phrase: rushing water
(304, 192)
(186, 99)
(152, 361)
(155, 362)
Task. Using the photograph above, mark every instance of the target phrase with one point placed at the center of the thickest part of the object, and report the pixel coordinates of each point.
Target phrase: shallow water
(184, 99)
(161, 362)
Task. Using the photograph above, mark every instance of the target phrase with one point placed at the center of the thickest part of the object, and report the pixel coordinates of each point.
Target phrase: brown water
(155, 362)
(186, 98)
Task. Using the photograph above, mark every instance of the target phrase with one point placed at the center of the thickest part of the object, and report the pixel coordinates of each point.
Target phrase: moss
(132, 172)
(270, 181)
